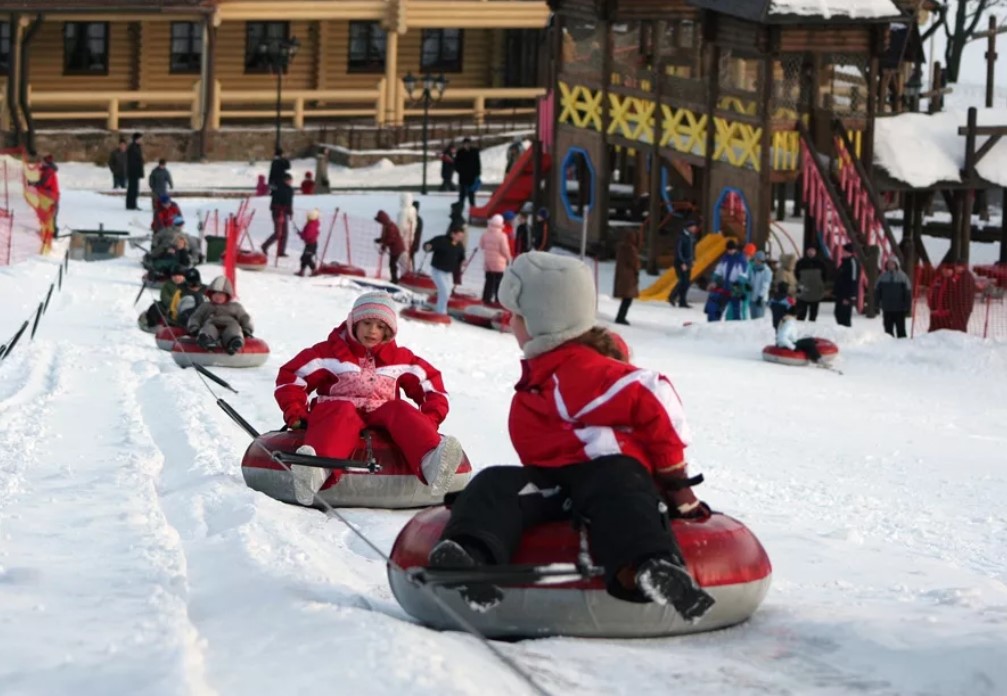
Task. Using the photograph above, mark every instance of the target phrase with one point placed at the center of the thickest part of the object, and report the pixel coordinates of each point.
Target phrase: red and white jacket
(573, 405)
(340, 368)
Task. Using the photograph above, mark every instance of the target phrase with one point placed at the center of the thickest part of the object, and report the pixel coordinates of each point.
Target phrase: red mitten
(295, 416)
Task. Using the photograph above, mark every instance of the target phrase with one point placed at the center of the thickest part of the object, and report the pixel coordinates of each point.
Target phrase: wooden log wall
(46, 61)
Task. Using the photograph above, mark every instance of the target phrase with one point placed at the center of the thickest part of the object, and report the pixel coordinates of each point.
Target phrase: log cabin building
(194, 64)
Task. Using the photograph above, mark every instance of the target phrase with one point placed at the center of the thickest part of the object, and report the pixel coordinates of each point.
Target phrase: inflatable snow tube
(187, 352)
(502, 322)
(726, 559)
(251, 260)
(141, 322)
(337, 268)
(481, 315)
(457, 304)
(166, 336)
(393, 487)
(785, 356)
(425, 315)
(418, 282)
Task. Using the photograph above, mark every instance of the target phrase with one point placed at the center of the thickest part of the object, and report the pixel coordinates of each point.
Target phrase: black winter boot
(450, 555)
(234, 345)
(666, 581)
(205, 341)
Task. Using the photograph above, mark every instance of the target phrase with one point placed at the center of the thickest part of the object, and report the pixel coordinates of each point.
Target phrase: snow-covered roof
(923, 149)
(781, 11)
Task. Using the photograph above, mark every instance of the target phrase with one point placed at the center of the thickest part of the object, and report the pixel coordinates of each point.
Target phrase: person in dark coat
(951, 299)
(282, 207)
(448, 168)
(468, 164)
(540, 238)
(390, 241)
(627, 271)
(117, 165)
(278, 170)
(894, 294)
(417, 236)
(446, 263)
(159, 182)
(134, 171)
(685, 257)
(810, 273)
(847, 286)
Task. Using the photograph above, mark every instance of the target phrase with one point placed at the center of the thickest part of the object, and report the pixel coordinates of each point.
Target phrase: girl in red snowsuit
(595, 435)
(357, 374)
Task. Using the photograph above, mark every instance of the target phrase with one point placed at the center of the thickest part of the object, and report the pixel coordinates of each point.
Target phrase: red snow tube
(457, 304)
(251, 260)
(502, 322)
(785, 356)
(187, 352)
(721, 553)
(337, 268)
(394, 486)
(481, 315)
(417, 282)
(425, 315)
(167, 335)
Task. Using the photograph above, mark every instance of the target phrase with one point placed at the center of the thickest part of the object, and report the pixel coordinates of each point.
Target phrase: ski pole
(143, 286)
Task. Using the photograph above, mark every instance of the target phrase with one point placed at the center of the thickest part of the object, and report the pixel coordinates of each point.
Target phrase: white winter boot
(308, 480)
(440, 463)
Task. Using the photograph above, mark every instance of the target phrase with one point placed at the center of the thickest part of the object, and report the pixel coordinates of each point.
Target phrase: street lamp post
(277, 54)
(433, 91)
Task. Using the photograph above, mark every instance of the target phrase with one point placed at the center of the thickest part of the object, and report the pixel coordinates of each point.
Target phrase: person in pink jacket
(497, 254)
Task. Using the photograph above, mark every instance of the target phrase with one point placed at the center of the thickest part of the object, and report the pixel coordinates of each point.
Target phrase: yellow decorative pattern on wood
(737, 143)
(631, 117)
(684, 130)
(580, 106)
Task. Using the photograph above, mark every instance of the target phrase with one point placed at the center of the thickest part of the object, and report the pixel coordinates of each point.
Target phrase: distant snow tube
(723, 555)
(418, 282)
(481, 315)
(251, 260)
(337, 268)
(502, 322)
(425, 315)
(187, 352)
(166, 336)
(141, 322)
(457, 304)
(785, 356)
(394, 486)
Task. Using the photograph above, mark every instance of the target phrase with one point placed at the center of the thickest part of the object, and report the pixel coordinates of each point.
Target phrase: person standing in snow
(847, 286)
(541, 240)
(117, 165)
(448, 168)
(951, 298)
(390, 241)
(508, 230)
(731, 276)
(222, 321)
(760, 278)
(281, 205)
(496, 255)
(309, 235)
(514, 151)
(261, 187)
(574, 386)
(356, 375)
(894, 294)
(468, 164)
(134, 171)
(48, 186)
(786, 337)
(279, 170)
(685, 257)
(407, 224)
(159, 182)
(627, 271)
(785, 273)
(446, 263)
(811, 285)
(308, 185)
(417, 236)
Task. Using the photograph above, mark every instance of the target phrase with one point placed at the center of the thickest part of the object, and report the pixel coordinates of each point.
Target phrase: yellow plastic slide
(710, 248)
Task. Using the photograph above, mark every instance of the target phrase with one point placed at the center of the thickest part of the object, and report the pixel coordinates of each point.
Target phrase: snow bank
(854, 9)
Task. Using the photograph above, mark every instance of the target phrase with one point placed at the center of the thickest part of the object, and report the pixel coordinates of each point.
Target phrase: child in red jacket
(356, 375)
(606, 435)
(309, 235)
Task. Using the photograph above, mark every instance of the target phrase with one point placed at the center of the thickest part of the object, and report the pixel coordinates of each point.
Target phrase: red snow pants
(334, 429)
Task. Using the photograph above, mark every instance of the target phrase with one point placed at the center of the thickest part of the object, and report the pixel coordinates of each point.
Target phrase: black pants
(308, 257)
(809, 348)
(465, 191)
(393, 266)
(447, 184)
(844, 312)
(156, 314)
(492, 286)
(623, 309)
(132, 191)
(807, 310)
(681, 289)
(118, 182)
(895, 324)
(281, 223)
(779, 311)
(615, 494)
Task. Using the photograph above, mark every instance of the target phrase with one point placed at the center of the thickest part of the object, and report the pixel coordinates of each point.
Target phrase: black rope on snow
(332, 512)
(43, 306)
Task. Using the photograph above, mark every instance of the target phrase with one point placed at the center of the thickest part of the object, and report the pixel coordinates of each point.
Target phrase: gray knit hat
(554, 294)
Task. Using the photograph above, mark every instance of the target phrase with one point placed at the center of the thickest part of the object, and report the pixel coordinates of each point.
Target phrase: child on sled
(356, 375)
(594, 434)
(222, 322)
(786, 337)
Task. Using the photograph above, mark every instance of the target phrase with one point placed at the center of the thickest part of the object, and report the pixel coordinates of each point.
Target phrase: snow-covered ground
(133, 559)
